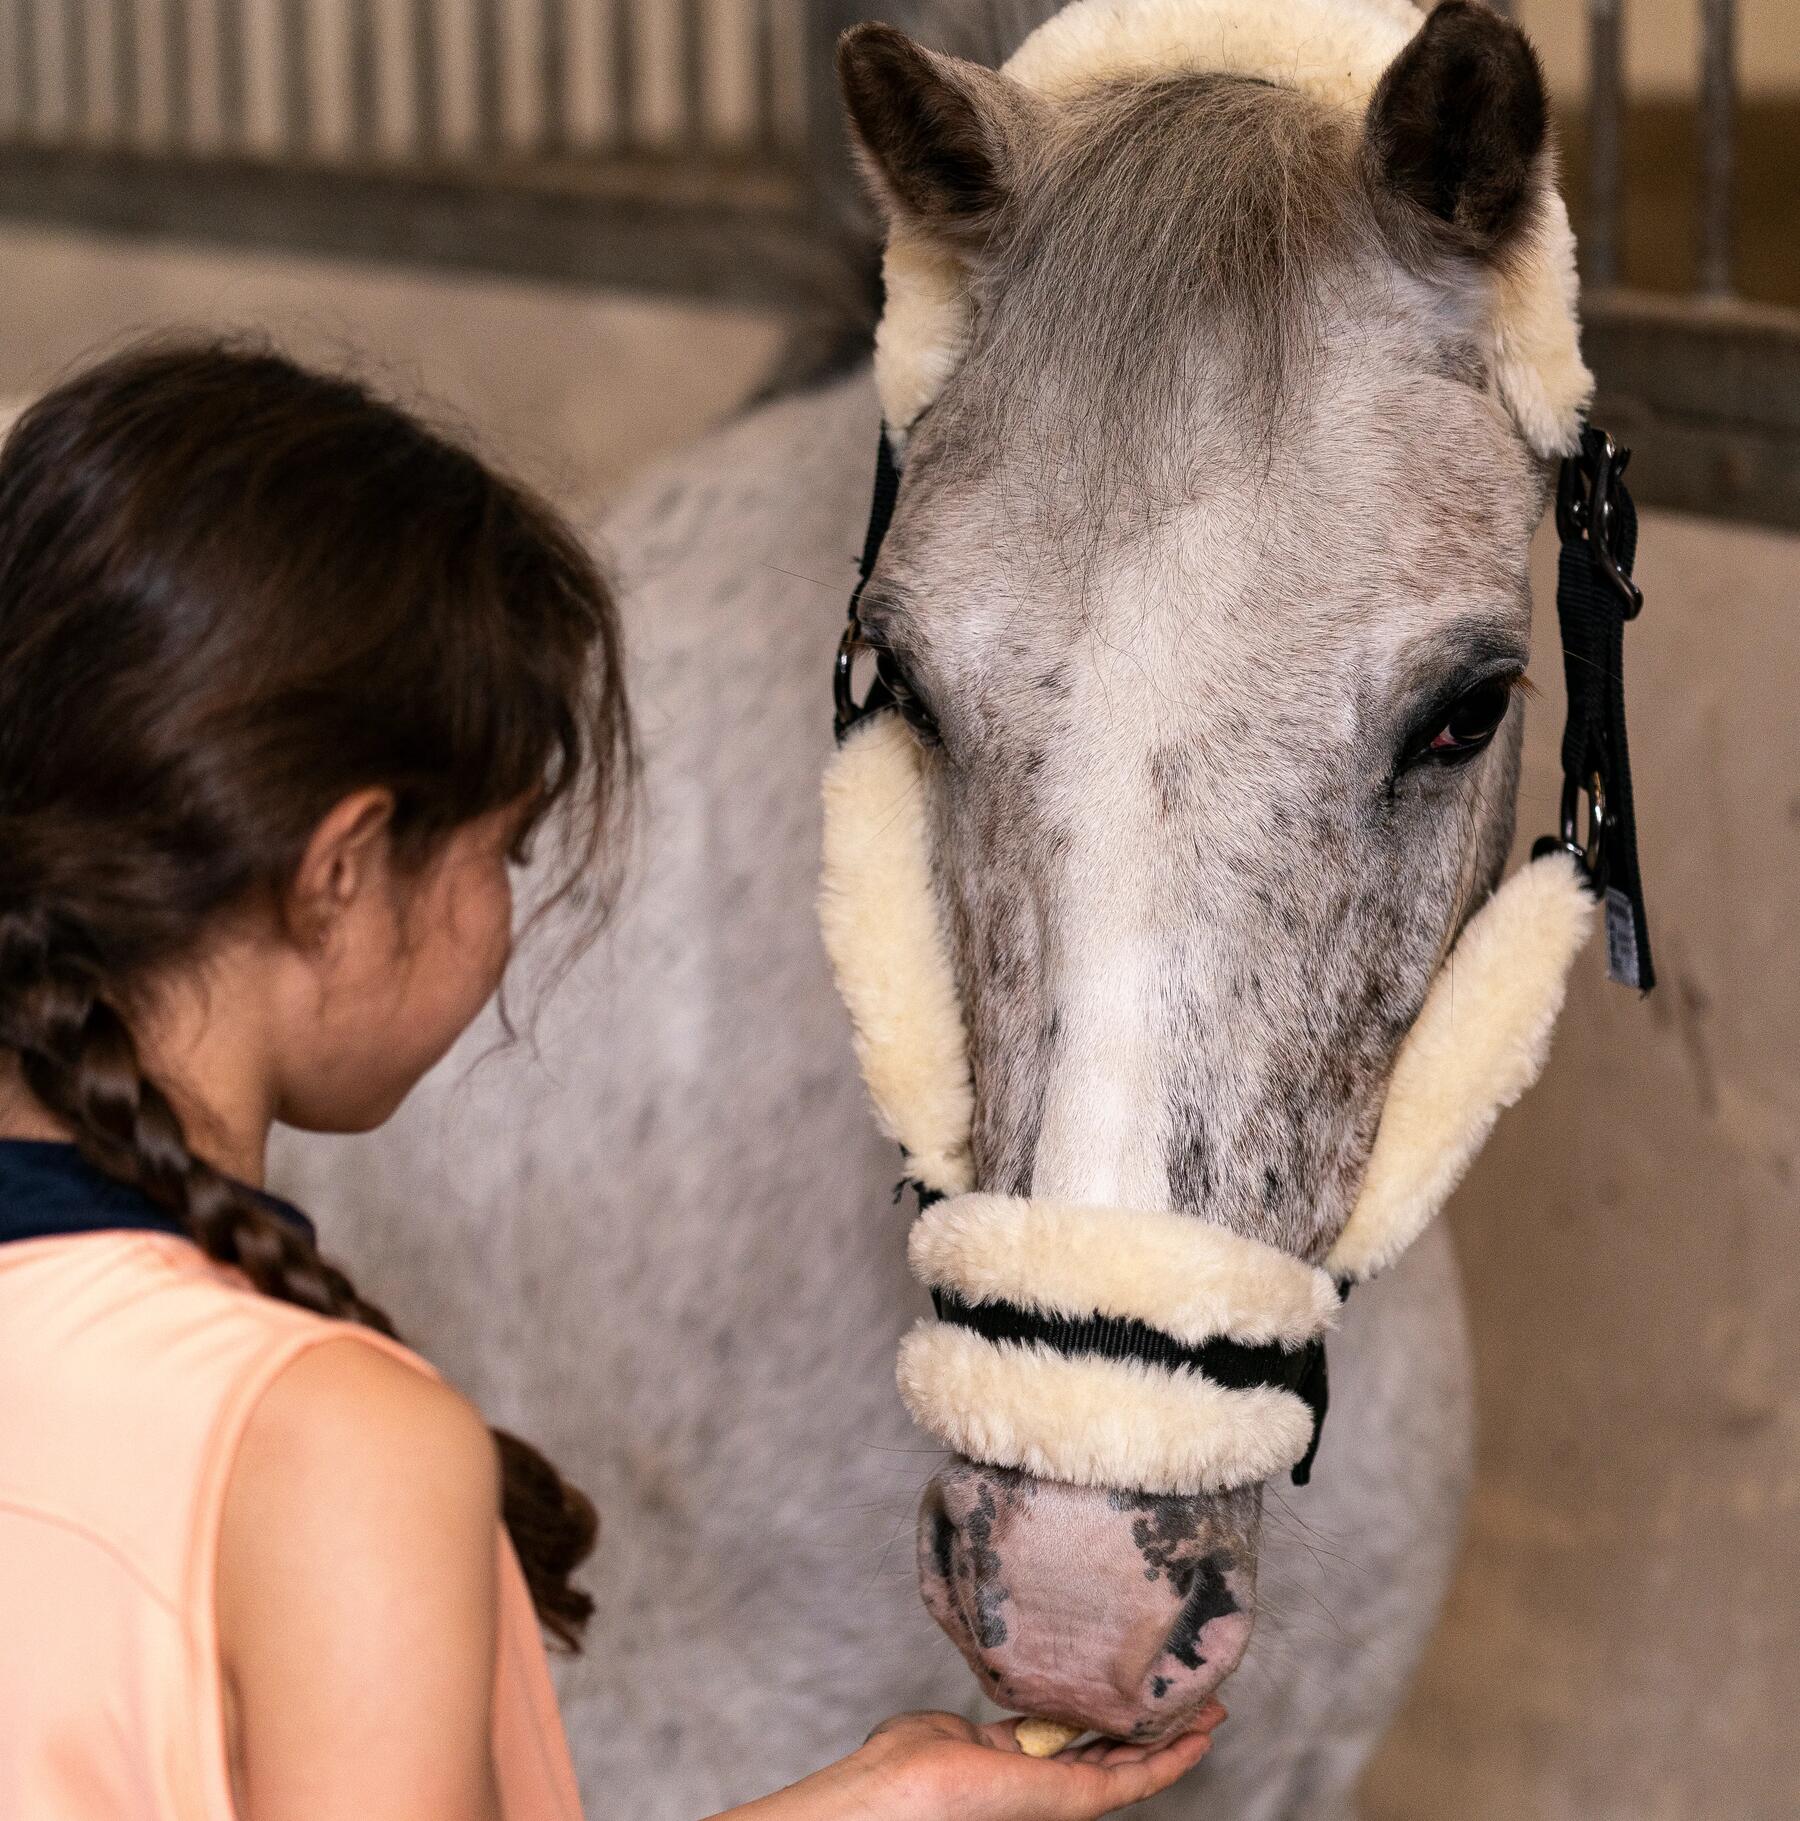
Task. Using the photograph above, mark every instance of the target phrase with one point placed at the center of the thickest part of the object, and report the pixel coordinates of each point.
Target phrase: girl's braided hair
(233, 592)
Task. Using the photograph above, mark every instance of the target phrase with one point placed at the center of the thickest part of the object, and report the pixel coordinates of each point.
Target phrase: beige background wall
(1624, 1637)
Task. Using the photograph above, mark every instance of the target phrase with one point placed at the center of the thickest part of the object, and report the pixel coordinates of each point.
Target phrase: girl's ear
(347, 851)
(940, 140)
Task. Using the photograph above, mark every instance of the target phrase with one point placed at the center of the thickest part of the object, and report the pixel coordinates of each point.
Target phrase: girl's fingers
(1145, 1777)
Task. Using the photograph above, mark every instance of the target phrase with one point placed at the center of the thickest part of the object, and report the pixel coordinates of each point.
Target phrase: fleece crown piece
(1334, 51)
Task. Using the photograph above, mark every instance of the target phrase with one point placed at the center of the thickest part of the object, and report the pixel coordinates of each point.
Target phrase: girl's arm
(357, 1596)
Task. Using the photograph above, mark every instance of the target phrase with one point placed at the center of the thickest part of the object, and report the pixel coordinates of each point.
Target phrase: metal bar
(77, 91)
(228, 33)
(365, 89)
(827, 150)
(489, 97)
(296, 78)
(178, 92)
(27, 93)
(741, 237)
(623, 72)
(1606, 114)
(765, 77)
(128, 100)
(1718, 142)
(553, 103)
(693, 75)
(428, 78)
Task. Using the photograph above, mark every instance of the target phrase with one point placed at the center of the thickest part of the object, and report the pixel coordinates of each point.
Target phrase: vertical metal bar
(27, 91)
(76, 89)
(837, 195)
(624, 73)
(178, 88)
(128, 101)
(489, 99)
(228, 36)
(428, 81)
(1606, 113)
(693, 76)
(1718, 142)
(365, 93)
(552, 100)
(765, 85)
(296, 78)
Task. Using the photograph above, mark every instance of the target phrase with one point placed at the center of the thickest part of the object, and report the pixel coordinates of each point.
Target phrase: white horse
(659, 1236)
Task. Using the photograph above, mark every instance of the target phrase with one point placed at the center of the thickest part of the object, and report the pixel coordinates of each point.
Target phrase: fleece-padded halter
(1094, 1417)
(1143, 1349)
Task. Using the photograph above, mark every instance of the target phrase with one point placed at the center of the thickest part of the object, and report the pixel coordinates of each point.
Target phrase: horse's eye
(1473, 721)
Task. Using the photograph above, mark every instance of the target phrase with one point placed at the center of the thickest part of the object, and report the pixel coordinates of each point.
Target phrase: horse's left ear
(1456, 130)
(939, 138)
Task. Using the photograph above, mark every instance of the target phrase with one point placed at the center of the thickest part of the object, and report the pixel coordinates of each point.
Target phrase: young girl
(287, 682)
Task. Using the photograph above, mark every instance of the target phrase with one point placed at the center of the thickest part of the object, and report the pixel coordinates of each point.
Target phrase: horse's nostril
(943, 1541)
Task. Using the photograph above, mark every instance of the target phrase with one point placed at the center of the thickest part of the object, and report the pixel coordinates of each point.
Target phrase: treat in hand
(1044, 1738)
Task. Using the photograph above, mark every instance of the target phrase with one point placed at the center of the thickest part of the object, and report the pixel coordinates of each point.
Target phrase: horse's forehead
(1366, 521)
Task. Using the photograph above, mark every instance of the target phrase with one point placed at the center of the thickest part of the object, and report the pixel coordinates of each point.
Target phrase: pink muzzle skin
(1113, 1611)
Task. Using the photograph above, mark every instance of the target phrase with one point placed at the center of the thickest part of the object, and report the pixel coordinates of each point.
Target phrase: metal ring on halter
(1591, 852)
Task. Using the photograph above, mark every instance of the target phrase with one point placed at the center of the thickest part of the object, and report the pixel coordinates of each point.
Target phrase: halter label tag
(1621, 939)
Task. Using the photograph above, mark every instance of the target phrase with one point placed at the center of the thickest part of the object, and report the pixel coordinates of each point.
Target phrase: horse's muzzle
(1114, 1611)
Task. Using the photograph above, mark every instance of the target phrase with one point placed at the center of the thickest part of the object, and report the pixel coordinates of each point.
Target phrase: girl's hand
(937, 1767)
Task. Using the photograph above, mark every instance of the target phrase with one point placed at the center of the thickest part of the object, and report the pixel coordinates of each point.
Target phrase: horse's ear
(1456, 128)
(939, 138)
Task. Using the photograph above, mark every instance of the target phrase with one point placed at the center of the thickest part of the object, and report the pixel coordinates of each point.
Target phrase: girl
(287, 682)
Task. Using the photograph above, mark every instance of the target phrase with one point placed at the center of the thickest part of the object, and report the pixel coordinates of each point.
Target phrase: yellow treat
(1044, 1738)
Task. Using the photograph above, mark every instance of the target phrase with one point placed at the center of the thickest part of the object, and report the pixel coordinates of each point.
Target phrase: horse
(1207, 557)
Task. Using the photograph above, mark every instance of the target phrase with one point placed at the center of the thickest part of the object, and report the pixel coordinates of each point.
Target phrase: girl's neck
(209, 1071)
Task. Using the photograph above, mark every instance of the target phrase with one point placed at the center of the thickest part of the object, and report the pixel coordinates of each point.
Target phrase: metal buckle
(1590, 514)
(1590, 855)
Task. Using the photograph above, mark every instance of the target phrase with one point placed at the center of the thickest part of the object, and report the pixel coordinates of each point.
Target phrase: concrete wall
(1623, 1638)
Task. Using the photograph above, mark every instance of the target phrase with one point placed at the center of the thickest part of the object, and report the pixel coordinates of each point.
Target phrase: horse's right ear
(939, 138)
(1456, 130)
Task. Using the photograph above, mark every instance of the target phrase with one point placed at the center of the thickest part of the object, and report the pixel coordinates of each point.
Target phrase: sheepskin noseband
(1166, 1354)
(1139, 1348)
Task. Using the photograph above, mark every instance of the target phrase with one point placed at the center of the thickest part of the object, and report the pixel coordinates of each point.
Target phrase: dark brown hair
(232, 592)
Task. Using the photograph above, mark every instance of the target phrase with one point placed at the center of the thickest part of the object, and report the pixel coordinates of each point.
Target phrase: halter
(1143, 1349)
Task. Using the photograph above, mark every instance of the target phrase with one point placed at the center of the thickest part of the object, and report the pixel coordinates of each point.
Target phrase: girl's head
(283, 674)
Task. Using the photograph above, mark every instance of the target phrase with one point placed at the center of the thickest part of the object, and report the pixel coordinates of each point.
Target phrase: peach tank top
(129, 1365)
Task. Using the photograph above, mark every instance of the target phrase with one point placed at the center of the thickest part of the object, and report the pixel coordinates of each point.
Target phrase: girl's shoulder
(136, 1366)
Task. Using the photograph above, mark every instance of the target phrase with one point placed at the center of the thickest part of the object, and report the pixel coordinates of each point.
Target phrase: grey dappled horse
(659, 1236)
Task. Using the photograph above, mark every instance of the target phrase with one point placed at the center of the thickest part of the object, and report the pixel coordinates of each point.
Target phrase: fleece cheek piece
(878, 915)
(1480, 1041)
(1074, 1411)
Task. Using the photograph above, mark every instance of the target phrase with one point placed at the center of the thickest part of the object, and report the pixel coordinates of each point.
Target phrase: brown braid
(209, 635)
(77, 1056)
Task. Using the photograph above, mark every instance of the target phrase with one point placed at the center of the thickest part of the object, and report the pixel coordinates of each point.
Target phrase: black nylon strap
(1233, 1364)
(848, 711)
(1595, 596)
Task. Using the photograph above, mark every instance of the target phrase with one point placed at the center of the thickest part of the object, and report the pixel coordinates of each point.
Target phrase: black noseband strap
(1234, 1364)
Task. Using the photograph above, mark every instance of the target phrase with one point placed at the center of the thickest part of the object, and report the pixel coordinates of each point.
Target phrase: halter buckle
(1586, 510)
